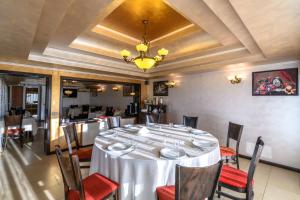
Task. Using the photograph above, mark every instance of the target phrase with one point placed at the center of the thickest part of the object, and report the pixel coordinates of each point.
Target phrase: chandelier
(144, 61)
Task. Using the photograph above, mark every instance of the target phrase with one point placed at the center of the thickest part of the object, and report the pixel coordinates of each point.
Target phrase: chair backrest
(234, 133)
(66, 169)
(109, 111)
(190, 121)
(254, 160)
(78, 176)
(85, 108)
(197, 182)
(153, 118)
(113, 122)
(13, 120)
(71, 136)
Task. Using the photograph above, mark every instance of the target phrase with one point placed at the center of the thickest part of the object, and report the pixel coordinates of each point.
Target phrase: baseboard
(273, 164)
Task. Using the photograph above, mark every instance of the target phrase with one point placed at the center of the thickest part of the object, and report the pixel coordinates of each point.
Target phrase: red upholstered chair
(93, 187)
(239, 180)
(84, 154)
(13, 128)
(234, 133)
(203, 180)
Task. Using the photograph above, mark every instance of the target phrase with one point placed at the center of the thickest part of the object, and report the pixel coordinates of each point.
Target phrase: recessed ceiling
(201, 35)
(128, 17)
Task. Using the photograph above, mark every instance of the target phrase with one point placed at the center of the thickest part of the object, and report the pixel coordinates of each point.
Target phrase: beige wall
(56, 133)
(215, 101)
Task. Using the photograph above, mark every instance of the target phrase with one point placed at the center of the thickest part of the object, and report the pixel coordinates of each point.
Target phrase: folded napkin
(143, 131)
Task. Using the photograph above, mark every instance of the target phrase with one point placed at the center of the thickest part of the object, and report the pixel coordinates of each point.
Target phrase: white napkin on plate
(143, 131)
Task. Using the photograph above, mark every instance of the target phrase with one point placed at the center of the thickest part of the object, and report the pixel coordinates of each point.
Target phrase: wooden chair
(84, 154)
(238, 180)
(234, 133)
(93, 187)
(13, 128)
(113, 122)
(193, 183)
(190, 121)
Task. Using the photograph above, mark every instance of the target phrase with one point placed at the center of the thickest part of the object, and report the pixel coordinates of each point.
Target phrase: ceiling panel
(128, 17)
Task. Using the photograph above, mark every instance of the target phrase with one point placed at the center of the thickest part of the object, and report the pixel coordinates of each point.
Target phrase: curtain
(3, 98)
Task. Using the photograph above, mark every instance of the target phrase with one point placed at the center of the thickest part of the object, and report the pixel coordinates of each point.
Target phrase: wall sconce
(100, 90)
(170, 84)
(235, 79)
(115, 88)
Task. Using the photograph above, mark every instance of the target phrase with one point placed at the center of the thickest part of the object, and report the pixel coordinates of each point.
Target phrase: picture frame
(280, 82)
(160, 88)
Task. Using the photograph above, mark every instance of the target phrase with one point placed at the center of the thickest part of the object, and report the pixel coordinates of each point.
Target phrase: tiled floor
(28, 174)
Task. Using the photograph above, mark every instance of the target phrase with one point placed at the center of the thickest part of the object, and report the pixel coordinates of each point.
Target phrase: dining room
(149, 100)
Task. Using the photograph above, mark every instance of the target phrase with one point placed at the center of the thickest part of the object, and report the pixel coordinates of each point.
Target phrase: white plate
(203, 143)
(198, 132)
(171, 153)
(127, 125)
(119, 147)
(133, 130)
(179, 126)
(107, 133)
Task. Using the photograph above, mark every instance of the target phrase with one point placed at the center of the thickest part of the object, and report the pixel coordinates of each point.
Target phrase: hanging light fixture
(144, 61)
(132, 93)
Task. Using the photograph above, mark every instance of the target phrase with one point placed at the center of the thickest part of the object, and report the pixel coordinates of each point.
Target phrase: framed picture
(282, 82)
(127, 89)
(160, 88)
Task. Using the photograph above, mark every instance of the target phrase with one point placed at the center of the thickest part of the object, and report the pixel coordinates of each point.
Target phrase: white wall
(215, 101)
(106, 98)
(112, 98)
(82, 98)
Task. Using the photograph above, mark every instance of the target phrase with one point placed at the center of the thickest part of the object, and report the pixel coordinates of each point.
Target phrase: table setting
(143, 157)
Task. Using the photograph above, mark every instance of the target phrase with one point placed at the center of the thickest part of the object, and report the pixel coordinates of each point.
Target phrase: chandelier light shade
(144, 61)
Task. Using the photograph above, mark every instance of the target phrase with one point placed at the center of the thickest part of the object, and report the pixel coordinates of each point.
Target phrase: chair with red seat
(238, 180)
(84, 154)
(234, 133)
(13, 128)
(192, 183)
(93, 187)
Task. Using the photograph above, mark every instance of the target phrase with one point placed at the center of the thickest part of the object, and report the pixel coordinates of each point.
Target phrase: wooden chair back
(67, 171)
(254, 160)
(78, 176)
(113, 122)
(235, 133)
(190, 121)
(13, 120)
(197, 183)
(71, 136)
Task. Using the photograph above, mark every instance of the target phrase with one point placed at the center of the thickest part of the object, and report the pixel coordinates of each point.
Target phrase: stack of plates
(108, 133)
(120, 148)
(172, 153)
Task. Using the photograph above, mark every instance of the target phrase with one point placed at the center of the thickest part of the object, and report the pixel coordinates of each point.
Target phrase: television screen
(69, 93)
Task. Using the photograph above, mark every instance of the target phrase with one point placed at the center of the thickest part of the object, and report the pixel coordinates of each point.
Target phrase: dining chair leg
(219, 189)
(237, 161)
(21, 140)
(117, 194)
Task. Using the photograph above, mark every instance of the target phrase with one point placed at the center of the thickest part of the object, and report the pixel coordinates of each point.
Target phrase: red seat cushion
(84, 154)
(13, 131)
(233, 177)
(227, 151)
(97, 186)
(73, 195)
(166, 192)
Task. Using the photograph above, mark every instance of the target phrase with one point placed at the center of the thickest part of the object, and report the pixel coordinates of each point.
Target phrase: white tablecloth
(142, 170)
(74, 112)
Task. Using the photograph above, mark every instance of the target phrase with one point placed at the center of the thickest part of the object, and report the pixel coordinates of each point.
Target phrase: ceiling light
(144, 61)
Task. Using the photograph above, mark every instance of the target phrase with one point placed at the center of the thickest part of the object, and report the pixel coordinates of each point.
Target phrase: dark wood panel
(17, 97)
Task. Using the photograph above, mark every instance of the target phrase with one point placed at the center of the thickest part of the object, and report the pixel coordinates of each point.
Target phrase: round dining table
(142, 168)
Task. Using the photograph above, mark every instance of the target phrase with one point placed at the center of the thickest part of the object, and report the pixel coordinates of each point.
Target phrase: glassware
(171, 125)
(190, 129)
